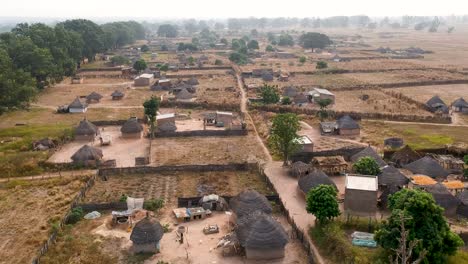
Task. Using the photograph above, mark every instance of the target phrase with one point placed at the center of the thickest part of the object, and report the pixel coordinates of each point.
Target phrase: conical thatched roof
(300, 168)
(192, 81)
(184, 95)
(368, 152)
(442, 196)
(460, 102)
(94, 96)
(77, 104)
(346, 122)
(268, 77)
(131, 126)
(391, 189)
(167, 127)
(405, 154)
(248, 202)
(435, 101)
(86, 128)
(87, 153)
(147, 231)
(290, 92)
(117, 93)
(314, 179)
(260, 231)
(427, 166)
(392, 176)
(463, 197)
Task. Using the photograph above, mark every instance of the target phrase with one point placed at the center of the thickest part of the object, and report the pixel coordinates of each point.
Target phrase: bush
(366, 166)
(153, 204)
(269, 48)
(164, 67)
(123, 198)
(302, 59)
(286, 100)
(75, 215)
(218, 62)
(321, 65)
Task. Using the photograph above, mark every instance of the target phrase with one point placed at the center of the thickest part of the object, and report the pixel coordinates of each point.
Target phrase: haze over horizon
(146, 9)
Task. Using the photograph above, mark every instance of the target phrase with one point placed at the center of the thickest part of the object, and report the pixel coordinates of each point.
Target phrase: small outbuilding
(444, 198)
(213, 202)
(132, 128)
(117, 95)
(462, 209)
(312, 180)
(77, 80)
(290, 92)
(393, 142)
(87, 155)
(300, 99)
(427, 166)
(93, 97)
(348, 127)
(77, 106)
(331, 165)
(361, 195)
(305, 144)
(248, 202)
(261, 236)
(405, 156)
(192, 81)
(436, 105)
(267, 77)
(368, 152)
(328, 128)
(166, 122)
(184, 96)
(392, 176)
(318, 94)
(86, 130)
(165, 83)
(460, 105)
(146, 236)
(146, 79)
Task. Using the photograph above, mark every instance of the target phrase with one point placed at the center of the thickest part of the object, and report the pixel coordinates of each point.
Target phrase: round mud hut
(300, 169)
(261, 236)
(312, 180)
(132, 128)
(117, 95)
(86, 130)
(368, 152)
(146, 236)
(392, 176)
(405, 156)
(93, 98)
(348, 127)
(248, 202)
(429, 167)
(87, 155)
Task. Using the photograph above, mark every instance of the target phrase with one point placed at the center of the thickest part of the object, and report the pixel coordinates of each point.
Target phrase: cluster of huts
(343, 126)
(81, 106)
(311, 96)
(437, 105)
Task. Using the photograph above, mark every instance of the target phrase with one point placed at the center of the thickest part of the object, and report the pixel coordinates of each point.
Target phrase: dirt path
(52, 175)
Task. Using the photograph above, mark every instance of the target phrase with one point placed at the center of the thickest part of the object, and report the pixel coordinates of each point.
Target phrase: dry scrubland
(218, 89)
(406, 76)
(30, 210)
(448, 93)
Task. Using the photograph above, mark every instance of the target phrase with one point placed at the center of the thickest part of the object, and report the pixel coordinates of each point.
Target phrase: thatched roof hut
(299, 169)
(184, 94)
(368, 152)
(146, 236)
(77, 106)
(389, 190)
(444, 198)
(300, 98)
(86, 130)
(248, 202)
(314, 179)
(460, 102)
(93, 97)
(290, 92)
(436, 104)
(261, 236)
(405, 156)
(462, 209)
(392, 176)
(117, 95)
(192, 81)
(427, 166)
(346, 122)
(87, 155)
(131, 127)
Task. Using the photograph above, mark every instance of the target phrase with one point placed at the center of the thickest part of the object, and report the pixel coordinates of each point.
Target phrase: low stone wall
(345, 152)
(175, 168)
(204, 105)
(204, 133)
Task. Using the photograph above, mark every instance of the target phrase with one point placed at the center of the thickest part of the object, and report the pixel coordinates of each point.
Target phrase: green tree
(253, 44)
(321, 201)
(140, 65)
(269, 94)
(151, 110)
(426, 222)
(313, 40)
(167, 31)
(91, 34)
(238, 57)
(144, 48)
(323, 104)
(283, 137)
(285, 40)
(218, 62)
(366, 166)
(224, 41)
(321, 65)
(269, 48)
(164, 67)
(302, 59)
(286, 100)
(119, 60)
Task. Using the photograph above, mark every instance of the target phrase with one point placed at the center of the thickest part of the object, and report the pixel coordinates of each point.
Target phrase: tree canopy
(366, 166)
(285, 40)
(313, 40)
(253, 44)
(284, 138)
(151, 107)
(425, 222)
(140, 65)
(269, 94)
(321, 201)
(167, 31)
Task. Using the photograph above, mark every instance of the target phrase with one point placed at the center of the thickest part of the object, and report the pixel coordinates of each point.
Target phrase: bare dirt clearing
(448, 93)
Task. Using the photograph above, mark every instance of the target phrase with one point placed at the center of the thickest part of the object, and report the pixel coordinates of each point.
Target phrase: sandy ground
(448, 93)
(123, 150)
(199, 248)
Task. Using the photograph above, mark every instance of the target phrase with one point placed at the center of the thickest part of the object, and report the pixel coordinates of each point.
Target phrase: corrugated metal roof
(362, 182)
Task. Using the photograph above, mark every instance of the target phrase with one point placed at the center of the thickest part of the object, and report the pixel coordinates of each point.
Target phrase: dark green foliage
(123, 198)
(119, 60)
(366, 166)
(224, 41)
(323, 103)
(151, 109)
(269, 94)
(75, 215)
(465, 159)
(313, 40)
(269, 48)
(424, 220)
(187, 46)
(286, 100)
(238, 57)
(164, 67)
(322, 202)
(302, 59)
(140, 65)
(218, 62)
(253, 44)
(167, 31)
(285, 40)
(283, 136)
(153, 204)
(321, 65)
(144, 48)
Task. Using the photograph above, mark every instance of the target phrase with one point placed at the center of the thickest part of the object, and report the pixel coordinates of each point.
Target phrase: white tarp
(211, 197)
(135, 203)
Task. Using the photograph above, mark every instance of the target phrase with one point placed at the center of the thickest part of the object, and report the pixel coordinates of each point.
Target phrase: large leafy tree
(151, 107)
(424, 221)
(91, 34)
(253, 44)
(269, 94)
(284, 138)
(321, 202)
(140, 65)
(366, 166)
(323, 104)
(167, 30)
(285, 40)
(312, 40)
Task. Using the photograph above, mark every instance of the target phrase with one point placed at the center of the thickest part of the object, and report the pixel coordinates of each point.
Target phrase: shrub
(302, 59)
(366, 166)
(75, 215)
(218, 62)
(321, 65)
(153, 204)
(123, 198)
(286, 100)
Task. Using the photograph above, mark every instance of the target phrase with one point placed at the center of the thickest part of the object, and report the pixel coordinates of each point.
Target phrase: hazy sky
(224, 8)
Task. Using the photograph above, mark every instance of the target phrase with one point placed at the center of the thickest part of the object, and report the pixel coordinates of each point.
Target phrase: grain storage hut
(87, 155)
(348, 127)
(146, 236)
(361, 195)
(248, 202)
(132, 128)
(312, 180)
(86, 130)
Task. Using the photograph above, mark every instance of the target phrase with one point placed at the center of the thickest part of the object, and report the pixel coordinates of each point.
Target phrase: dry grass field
(384, 64)
(29, 212)
(448, 93)
(406, 76)
(218, 89)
